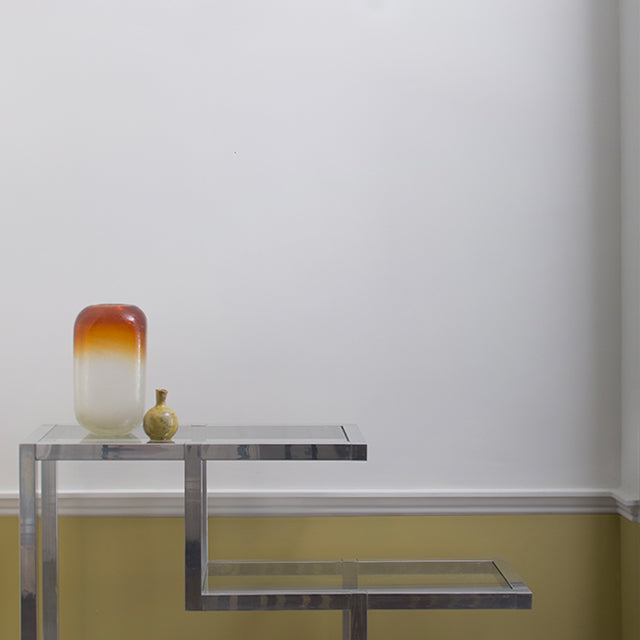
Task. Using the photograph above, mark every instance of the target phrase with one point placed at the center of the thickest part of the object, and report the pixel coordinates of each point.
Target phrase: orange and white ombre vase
(109, 348)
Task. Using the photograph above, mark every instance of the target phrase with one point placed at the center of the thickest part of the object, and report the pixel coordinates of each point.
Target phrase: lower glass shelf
(388, 584)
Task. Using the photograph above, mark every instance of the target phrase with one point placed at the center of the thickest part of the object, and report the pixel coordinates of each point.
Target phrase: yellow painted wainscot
(630, 578)
(123, 578)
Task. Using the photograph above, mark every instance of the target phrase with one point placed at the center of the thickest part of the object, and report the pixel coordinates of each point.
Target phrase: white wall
(401, 214)
(630, 208)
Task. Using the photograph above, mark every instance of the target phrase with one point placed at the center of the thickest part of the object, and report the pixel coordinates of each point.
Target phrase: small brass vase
(160, 423)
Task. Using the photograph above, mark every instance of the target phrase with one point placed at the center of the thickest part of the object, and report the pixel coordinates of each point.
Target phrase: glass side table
(353, 586)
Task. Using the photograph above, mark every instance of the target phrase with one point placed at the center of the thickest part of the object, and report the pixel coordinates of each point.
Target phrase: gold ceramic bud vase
(160, 422)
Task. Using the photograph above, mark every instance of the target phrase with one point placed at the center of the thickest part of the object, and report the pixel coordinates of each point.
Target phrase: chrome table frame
(195, 445)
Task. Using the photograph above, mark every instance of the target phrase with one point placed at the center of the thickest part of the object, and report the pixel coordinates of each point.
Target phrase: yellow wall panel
(630, 578)
(9, 578)
(122, 578)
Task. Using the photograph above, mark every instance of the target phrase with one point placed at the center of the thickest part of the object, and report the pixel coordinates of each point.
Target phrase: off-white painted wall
(630, 154)
(397, 213)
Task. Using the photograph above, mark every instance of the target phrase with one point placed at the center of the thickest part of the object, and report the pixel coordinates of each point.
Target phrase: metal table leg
(346, 624)
(194, 526)
(50, 621)
(204, 521)
(358, 615)
(28, 543)
(349, 581)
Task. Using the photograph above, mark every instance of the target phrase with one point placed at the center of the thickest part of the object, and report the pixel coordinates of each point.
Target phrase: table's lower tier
(380, 584)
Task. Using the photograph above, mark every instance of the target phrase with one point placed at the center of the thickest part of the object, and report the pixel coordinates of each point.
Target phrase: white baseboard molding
(275, 503)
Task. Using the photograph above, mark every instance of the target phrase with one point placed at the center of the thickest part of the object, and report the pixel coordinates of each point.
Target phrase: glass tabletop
(255, 585)
(214, 442)
(276, 434)
(272, 434)
(372, 576)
